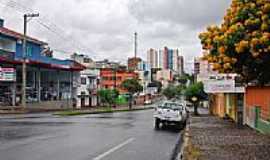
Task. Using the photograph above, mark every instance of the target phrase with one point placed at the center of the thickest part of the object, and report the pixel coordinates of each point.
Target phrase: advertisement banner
(222, 86)
(8, 74)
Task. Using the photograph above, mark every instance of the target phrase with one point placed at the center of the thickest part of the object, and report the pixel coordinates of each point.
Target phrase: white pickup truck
(170, 113)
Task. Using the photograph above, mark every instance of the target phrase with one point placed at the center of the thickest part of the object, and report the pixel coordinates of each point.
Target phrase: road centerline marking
(114, 149)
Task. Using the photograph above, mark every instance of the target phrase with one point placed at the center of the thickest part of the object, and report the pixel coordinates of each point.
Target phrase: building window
(86, 60)
(83, 93)
(83, 80)
(29, 51)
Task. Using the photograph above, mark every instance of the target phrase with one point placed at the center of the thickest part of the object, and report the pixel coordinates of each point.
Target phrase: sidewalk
(212, 138)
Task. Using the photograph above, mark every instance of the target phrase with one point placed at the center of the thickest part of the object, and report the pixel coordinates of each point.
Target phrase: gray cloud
(190, 13)
(104, 28)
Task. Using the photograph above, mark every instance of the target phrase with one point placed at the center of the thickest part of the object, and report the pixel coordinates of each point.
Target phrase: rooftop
(14, 34)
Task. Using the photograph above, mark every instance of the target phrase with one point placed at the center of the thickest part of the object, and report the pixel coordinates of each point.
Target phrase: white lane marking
(113, 149)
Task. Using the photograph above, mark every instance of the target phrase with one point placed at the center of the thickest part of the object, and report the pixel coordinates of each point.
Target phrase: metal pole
(135, 44)
(24, 63)
(115, 85)
(24, 71)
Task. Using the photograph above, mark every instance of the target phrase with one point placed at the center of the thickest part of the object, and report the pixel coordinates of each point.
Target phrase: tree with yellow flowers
(242, 43)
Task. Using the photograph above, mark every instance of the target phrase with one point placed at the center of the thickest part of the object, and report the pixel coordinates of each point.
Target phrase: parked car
(170, 113)
(147, 102)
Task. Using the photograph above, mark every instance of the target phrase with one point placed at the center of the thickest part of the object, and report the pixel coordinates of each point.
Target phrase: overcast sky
(105, 28)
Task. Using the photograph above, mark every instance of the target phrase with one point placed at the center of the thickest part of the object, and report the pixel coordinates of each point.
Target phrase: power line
(51, 26)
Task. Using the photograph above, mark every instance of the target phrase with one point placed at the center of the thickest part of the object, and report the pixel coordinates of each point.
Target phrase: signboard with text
(222, 86)
(8, 74)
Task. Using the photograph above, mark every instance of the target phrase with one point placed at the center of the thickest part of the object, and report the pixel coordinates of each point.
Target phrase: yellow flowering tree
(241, 44)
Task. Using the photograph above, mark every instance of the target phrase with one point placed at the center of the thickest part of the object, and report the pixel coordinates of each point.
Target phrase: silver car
(170, 113)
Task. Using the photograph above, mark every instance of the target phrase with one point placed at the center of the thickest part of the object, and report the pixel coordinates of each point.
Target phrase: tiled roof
(11, 33)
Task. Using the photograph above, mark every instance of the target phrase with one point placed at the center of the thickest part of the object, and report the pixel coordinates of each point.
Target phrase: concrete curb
(77, 113)
(178, 146)
(183, 142)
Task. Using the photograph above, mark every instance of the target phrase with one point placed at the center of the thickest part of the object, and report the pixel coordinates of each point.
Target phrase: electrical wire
(53, 28)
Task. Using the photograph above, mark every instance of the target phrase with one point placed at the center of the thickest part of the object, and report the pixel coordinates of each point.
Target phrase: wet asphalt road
(115, 136)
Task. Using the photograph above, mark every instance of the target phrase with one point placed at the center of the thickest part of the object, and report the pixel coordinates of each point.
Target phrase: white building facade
(87, 82)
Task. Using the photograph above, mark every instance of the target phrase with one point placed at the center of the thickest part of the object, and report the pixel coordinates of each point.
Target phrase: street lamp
(25, 20)
(194, 99)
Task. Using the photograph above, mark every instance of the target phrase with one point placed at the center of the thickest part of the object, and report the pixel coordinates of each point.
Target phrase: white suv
(170, 113)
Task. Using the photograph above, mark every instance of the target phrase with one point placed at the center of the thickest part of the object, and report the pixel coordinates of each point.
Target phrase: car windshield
(169, 105)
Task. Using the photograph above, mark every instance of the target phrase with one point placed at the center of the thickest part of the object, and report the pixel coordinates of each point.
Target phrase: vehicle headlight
(179, 113)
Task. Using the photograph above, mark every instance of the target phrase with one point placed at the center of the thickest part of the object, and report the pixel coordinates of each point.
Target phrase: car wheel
(180, 125)
(157, 123)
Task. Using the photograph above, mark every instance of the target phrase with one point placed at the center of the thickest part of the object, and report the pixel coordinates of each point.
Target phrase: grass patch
(192, 152)
(101, 110)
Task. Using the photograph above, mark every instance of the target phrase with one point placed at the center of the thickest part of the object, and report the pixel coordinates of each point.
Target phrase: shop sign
(222, 86)
(7, 74)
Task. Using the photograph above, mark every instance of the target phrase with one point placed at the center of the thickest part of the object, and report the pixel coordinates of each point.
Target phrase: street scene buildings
(134, 80)
(41, 89)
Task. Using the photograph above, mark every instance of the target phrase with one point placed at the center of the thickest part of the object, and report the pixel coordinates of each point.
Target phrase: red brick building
(133, 63)
(110, 78)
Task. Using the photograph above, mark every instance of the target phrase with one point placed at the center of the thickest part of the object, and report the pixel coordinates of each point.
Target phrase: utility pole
(115, 82)
(25, 20)
(135, 44)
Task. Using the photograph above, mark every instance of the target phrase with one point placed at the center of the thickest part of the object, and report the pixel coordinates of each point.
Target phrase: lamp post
(195, 99)
(25, 20)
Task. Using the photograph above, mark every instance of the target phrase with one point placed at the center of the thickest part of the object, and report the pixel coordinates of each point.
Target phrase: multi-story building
(166, 59)
(202, 69)
(152, 58)
(165, 77)
(133, 63)
(180, 64)
(88, 82)
(112, 78)
(144, 75)
(108, 64)
(196, 66)
(84, 60)
(49, 81)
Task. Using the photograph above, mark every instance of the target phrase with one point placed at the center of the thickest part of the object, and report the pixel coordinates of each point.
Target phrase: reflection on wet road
(114, 136)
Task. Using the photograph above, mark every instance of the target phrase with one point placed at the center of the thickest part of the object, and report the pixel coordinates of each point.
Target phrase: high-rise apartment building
(166, 59)
(152, 58)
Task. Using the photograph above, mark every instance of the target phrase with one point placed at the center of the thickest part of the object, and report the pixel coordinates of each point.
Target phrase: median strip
(83, 112)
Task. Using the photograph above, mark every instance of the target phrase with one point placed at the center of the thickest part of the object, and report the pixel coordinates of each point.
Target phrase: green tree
(108, 96)
(180, 89)
(242, 43)
(195, 94)
(132, 86)
(169, 92)
(174, 91)
(182, 79)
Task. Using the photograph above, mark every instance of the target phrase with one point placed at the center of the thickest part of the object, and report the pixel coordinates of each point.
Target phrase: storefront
(43, 83)
(226, 96)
